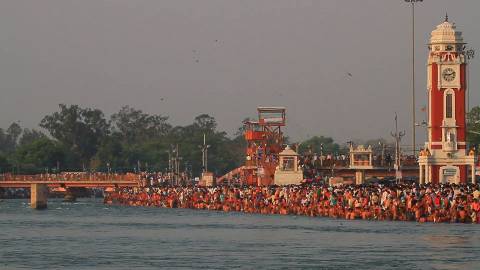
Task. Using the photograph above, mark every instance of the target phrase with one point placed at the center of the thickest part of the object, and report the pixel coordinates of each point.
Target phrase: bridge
(40, 184)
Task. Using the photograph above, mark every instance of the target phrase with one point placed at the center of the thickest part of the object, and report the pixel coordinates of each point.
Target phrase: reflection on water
(89, 235)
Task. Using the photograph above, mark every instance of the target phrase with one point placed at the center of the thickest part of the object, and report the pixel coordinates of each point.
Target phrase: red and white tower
(446, 158)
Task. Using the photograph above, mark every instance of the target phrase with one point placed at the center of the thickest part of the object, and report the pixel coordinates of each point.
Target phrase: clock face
(449, 74)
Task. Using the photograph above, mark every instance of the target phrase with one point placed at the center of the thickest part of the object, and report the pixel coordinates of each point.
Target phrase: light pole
(413, 2)
(321, 155)
(169, 172)
(470, 54)
(398, 137)
(204, 147)
(382, 147)
(175, 165)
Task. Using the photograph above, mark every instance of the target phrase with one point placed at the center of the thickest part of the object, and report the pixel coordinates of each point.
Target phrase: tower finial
(446, 16)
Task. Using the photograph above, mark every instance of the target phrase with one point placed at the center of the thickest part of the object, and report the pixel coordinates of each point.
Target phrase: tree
(29, 136)
(82, 137)
(4, 164)
(111, 151)
(13, 133)
(40, 154)
(205, 123)
(9, 139)
(80, 130)
(135, 125)
(315, 144)
(3, 141)
(473, 126)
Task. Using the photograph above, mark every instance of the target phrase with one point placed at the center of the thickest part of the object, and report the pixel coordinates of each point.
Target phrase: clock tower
(446, 158)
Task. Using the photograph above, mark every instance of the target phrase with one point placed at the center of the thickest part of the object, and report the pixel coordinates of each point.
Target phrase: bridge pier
(38, 196)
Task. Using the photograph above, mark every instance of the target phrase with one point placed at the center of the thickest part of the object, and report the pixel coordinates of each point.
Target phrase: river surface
(90, 235)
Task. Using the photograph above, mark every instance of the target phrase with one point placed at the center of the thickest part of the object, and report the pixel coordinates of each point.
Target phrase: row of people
(444, 203)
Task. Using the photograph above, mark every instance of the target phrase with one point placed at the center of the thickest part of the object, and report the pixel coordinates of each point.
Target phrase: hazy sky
(225, 58)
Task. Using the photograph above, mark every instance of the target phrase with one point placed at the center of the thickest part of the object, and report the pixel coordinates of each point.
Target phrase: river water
(90, 235)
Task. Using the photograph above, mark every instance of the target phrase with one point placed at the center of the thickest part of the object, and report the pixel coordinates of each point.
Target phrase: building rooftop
(446, 32)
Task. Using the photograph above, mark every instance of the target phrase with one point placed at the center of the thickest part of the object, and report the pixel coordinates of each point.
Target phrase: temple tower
(446, 158)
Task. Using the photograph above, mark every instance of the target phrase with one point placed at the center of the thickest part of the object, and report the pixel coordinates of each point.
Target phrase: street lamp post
(170, 165)
(321, 155)
(413, 2)
(204, 147)
(175, 163)
(382, 147)
(398, 137)
(470, 54)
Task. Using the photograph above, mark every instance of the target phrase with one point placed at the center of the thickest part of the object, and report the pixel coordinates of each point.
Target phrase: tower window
(449, 105)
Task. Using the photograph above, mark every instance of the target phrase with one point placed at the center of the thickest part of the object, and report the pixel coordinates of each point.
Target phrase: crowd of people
(444, 203)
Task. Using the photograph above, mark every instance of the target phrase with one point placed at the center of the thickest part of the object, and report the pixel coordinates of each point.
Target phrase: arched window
(449, 105)
(450, 136)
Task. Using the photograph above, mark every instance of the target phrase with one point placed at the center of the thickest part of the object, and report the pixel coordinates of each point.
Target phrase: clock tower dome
(446, 158)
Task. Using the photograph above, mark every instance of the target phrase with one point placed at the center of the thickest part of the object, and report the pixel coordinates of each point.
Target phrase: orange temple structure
(264, 142)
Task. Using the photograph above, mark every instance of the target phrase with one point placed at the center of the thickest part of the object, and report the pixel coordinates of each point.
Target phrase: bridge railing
(67, 177)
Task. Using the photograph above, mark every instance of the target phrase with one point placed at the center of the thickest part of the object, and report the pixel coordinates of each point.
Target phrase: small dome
(288, 152)
(446, 33)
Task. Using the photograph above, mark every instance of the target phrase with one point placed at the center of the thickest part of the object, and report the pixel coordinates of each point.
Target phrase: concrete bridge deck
(41, 184)
(68, 184)
(70, 180)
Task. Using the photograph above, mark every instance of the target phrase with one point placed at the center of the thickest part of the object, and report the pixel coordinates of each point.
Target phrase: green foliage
(473, 125)
(9, 139)
(111, 151)
(315, 143)
(4, 164)
(3, 141)
(41, 153)
(83, 139)
(29, 136)
(80, 130)
(13, 132)
(134, 125)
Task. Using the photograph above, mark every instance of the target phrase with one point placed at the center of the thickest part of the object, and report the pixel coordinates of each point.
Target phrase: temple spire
(446, 16)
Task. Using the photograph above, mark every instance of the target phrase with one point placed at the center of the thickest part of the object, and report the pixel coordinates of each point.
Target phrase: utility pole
(470, 54)
(176, 164)
(169, 152)
(382, 160)
(108, 170)
(413, 2)
(398, 137)
(321, 155)
(204, 149)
